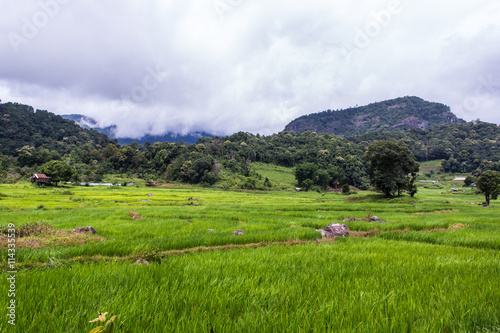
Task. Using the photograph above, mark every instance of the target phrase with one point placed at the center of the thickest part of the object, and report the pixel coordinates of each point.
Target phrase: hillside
(21, 126)
(392, 115)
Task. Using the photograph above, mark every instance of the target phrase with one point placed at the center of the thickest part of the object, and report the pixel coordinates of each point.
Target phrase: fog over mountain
(222, 66)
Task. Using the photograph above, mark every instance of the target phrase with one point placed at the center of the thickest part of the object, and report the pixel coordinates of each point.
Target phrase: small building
(40, 179)
(459, 179)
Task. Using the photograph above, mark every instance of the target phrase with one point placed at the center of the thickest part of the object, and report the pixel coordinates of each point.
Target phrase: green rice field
(434, 266)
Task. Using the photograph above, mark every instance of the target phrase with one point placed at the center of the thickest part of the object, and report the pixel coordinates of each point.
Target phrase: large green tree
(304, 172)
(392, 166)
(489, 184)
(58, 171)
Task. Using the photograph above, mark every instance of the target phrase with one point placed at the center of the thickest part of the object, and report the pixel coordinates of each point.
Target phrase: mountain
(87, 122)
(22, 126)
(90, 123)
(392, 115)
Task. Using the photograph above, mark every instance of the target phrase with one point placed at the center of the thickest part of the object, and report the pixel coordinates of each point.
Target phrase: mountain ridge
(397, 114)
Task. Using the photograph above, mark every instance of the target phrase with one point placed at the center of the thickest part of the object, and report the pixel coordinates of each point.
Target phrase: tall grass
(417, 273)
(353, 286)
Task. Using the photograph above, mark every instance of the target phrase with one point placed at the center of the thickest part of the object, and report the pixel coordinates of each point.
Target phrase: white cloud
(249, 65)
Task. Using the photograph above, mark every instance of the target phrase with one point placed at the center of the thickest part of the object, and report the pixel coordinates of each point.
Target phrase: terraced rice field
(434, 266)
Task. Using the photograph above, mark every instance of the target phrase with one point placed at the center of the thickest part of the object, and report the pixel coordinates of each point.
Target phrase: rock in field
(85, 229)
(334, 230)
(238, 232)
(377, 219)
(141, 261)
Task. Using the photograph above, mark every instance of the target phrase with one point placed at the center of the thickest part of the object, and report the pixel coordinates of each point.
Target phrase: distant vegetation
(30, 139)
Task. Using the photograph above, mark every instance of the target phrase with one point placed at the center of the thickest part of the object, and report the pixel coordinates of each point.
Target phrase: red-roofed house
(40, 178)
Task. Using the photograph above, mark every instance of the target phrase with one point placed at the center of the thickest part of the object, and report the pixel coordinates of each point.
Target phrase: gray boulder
(335, 230)
(141, 261)
(377, 219)
(85, 229)
(238, 232)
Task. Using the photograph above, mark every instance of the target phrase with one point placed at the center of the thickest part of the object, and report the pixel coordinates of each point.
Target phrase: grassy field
(434, 266)
(281, 177)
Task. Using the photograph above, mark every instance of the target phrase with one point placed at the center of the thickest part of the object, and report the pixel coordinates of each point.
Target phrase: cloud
(223, 66)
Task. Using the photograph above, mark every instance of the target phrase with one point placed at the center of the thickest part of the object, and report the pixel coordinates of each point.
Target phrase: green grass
(402, 279)
(280, 177)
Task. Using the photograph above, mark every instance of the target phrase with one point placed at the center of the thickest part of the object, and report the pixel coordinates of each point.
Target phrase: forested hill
(21, 126)
(392, 115)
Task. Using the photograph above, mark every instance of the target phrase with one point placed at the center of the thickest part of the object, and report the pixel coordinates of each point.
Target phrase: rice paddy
(166, 260)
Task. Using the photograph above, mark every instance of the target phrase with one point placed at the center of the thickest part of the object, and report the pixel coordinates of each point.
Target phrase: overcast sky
(245, 65)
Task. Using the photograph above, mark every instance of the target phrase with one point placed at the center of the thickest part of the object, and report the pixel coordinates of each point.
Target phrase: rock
(238, 232)
(377, 219)
(211, 230)
(334, 230)
(84, 229)
(141, 261)
(150, 195)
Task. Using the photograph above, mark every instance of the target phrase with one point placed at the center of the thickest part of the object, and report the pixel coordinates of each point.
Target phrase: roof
(39, 176)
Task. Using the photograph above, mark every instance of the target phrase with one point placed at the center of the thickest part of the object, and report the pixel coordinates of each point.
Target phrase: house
(40, 178)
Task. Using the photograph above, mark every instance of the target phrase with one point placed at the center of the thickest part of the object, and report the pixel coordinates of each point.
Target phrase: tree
(412, 188)
(489, 184)
(346, 189)
(323, 179)
(308, 183)
(469, 180)
(392, 166)
(58, 171)
(304, 172)
(267, 183)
